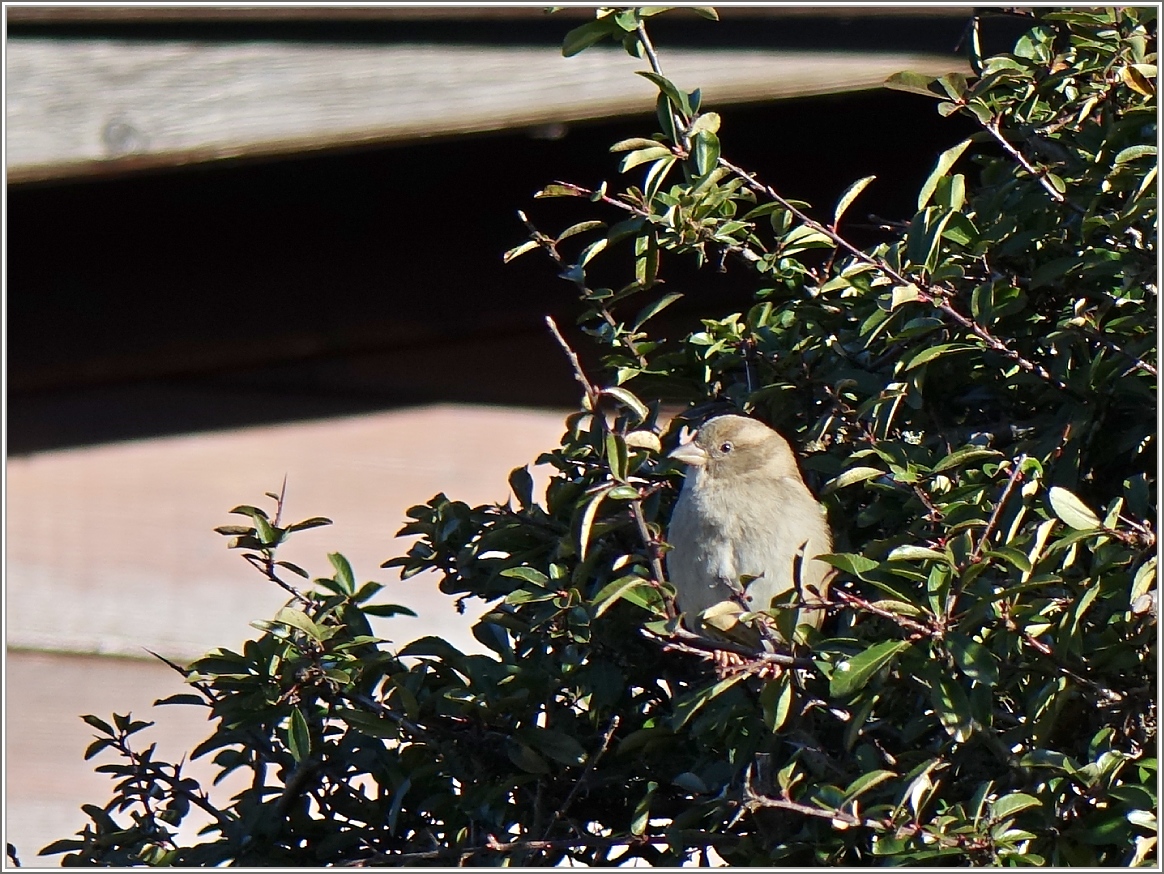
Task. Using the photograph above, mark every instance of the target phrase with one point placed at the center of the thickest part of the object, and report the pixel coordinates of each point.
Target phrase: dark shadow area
(917, 31)
(232, 294)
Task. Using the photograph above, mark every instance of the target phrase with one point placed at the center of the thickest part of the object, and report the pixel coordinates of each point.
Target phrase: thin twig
(1119, 350)
(590, 766)
(387, 712)
(266, 566)
(652, 554)
(851, 600)
(1015, 476)
(649, 49)
(592, 394)
(682, 640)
(1041, 175)
(753, 799)
(1107, 694)
(932, 294)
(593, 397)
(550, 247)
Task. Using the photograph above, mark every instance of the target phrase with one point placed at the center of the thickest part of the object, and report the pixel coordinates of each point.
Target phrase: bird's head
(736, 446)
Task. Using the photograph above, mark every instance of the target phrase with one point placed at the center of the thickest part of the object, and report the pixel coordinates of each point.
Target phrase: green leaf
(850, 563)
(972, 658)
(706, 152)
(248, 510)
(953, 708)
(677, 98)
(643, 156)
(1131, 153)
(580, 228)
(624, 587)
(299, 619)
(852, 675)
(925, 356)
(776, 701)
(294, 568)
(587, 521)
(557, 745)
(915, 83)
(653, 309)
(852, 476)
(946, 160)
(181, 698)
(298, 736)
(692, 702)
(527, 574)
(313, 522)
(634, 143)
(628, 400)
(97, 746)
(616, 456)
(343, 572)
(525, 758)
(1072, 510)
(1011, 556)
(642, 814)
(917, 553)
(903, 294)
(518, 250)
(1011, 804)
(850, 194)
(965, 456)
(582, 37)
(557, 190)
(709, 121)
(521, 482)
(866, 782)
(99, 724)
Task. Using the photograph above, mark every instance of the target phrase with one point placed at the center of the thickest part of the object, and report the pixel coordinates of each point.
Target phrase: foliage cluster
(975, 396)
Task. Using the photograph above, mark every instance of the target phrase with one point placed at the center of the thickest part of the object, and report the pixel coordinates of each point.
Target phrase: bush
(976, 397)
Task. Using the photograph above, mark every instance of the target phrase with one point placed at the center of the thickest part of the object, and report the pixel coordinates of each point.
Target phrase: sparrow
(744, 526)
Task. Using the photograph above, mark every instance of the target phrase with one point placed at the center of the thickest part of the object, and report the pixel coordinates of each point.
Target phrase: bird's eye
(725, 447)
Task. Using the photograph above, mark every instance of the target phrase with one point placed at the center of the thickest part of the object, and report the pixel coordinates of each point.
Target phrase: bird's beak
(689, 453)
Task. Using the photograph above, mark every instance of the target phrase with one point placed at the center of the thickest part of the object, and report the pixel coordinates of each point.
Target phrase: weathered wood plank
(84, 106)
(141, 13)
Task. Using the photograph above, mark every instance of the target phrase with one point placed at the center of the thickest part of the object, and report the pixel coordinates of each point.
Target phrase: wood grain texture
(85, 106)
(62, 15)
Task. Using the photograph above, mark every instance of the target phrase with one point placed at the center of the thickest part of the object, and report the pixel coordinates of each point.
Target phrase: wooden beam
(80, 107)
(185, 13)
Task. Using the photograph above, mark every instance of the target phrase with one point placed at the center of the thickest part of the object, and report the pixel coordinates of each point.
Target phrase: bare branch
(592, 396)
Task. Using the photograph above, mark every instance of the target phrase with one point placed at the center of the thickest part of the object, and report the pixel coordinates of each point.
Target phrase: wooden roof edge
(34, 14)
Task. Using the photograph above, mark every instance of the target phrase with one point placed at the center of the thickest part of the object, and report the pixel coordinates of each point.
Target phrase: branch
(1015, 476)
(683, 640)
(753, 799)
(590, 766)
(379, 709)
(266, 566)
(592, 395)
(550, 247)
(932, 294)
(705, 235)
(648, 48)
(652, 546)
(1041, 175)
(851, 600)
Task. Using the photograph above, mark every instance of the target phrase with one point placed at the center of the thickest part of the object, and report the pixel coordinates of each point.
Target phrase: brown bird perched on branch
(744, 511)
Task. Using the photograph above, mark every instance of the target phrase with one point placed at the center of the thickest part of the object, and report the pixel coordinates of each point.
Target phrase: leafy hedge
(976, 397)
